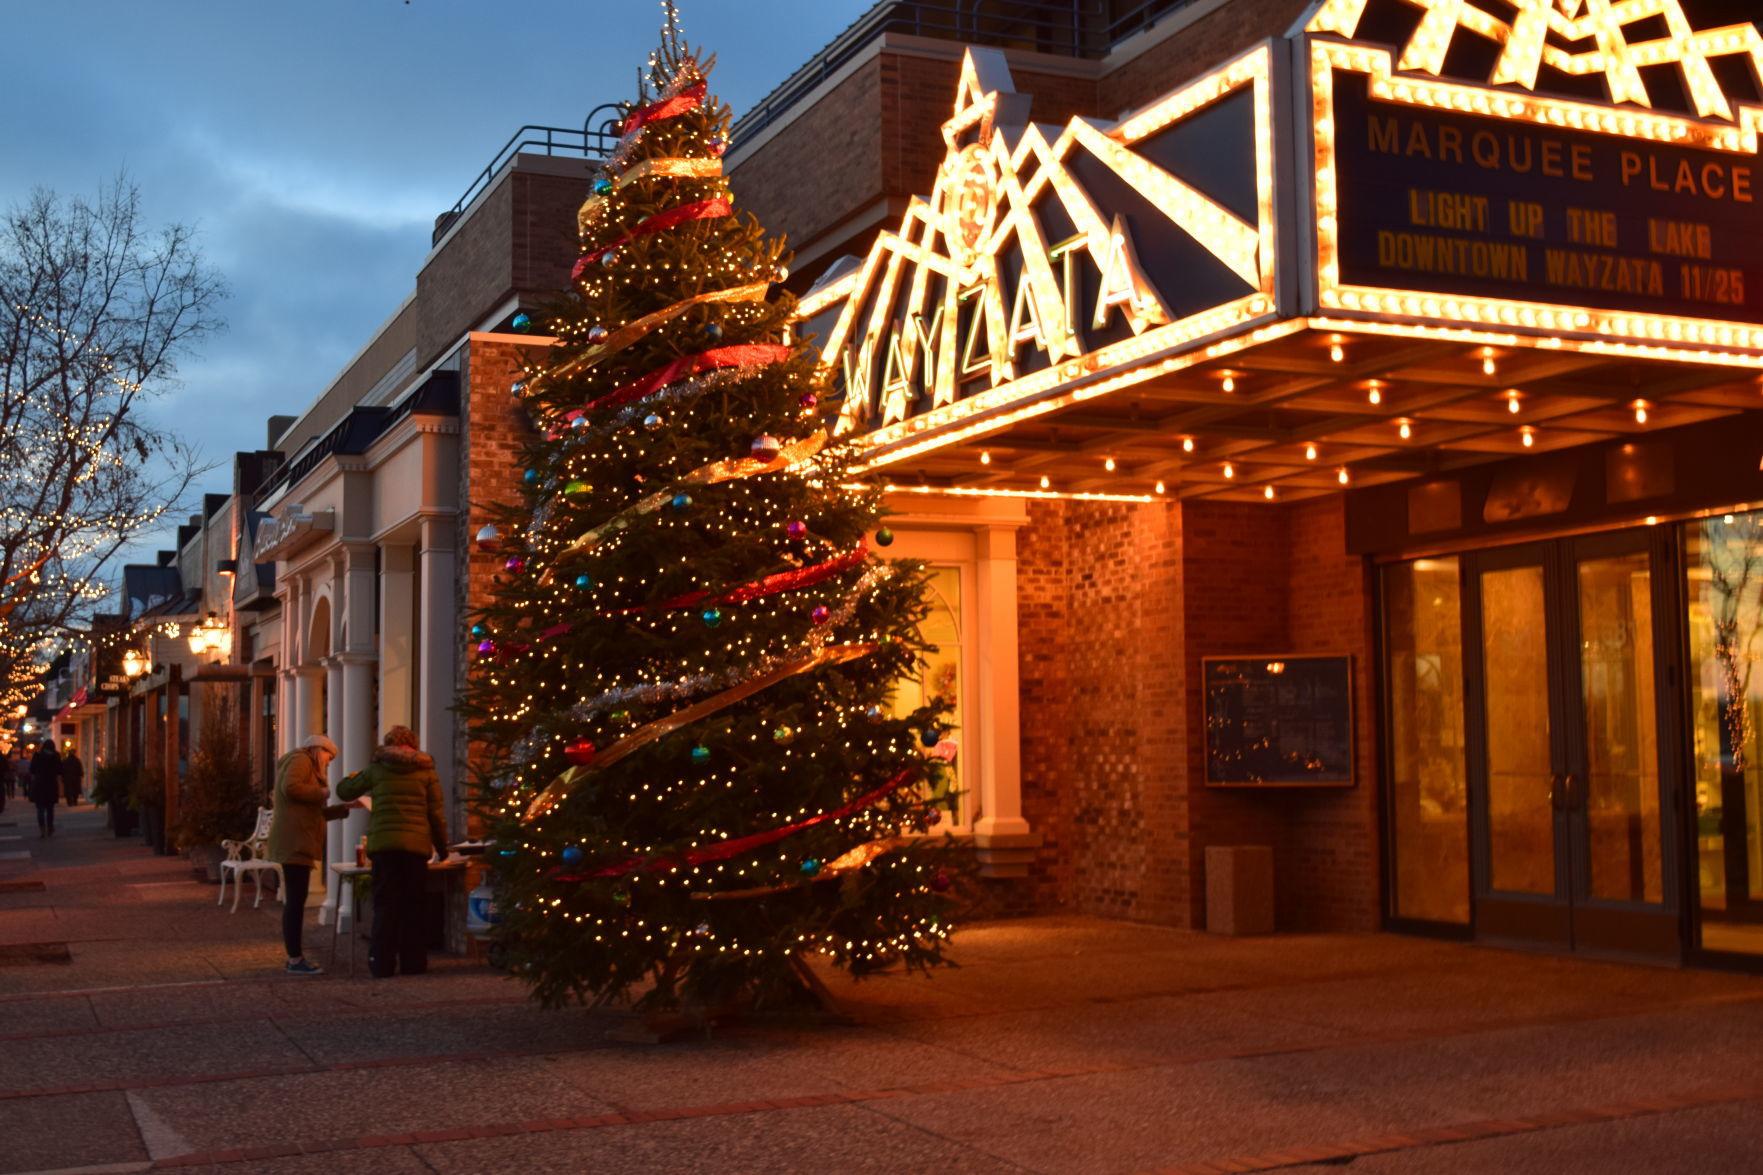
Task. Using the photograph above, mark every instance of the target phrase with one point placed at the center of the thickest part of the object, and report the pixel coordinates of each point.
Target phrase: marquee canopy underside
(1289, 398)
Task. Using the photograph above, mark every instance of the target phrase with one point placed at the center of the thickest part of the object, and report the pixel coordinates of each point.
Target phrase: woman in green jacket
(405, 795)
(296, 835)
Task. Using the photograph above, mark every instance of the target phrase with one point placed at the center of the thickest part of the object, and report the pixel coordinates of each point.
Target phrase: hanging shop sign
(1049, 265)
(280, 534)
(1479, 205)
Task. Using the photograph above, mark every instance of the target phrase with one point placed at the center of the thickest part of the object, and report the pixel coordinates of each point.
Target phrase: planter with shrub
(217, 800)
(111, 784)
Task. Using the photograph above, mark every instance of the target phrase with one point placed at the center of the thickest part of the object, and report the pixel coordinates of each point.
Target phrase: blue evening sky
(314, 142)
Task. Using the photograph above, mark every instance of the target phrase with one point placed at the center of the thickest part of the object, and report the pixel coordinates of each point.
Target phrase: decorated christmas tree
(681, 692)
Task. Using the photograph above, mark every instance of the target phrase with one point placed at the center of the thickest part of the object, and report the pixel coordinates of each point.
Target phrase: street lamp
(211, 637)
(134, 663)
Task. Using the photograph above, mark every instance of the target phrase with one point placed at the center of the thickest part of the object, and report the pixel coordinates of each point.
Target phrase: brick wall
(494, 436)
(1118, 605)
(1213, 39)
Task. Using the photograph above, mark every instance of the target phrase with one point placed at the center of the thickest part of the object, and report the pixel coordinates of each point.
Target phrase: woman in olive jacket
(296, 835)
(405, 794)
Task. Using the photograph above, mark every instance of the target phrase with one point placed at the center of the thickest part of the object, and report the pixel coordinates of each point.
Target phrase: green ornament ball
(884, 537)
(700, 754)
(783, 736)
(712, 617)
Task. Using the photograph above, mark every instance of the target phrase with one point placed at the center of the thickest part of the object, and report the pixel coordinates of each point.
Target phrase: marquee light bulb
(1108, 465)
(1406, 430)
(1229, 383)
(1309, 452)
(1337, 353)
(1161, 488)
(1488, 366)
(1512, 403)
(1375, 394)
(1187, 444)
(1640, 412)
(1341, 475)
(1528, 436)
(1230, 470)
(1045, 482)
(1267, 492)
(985, 458)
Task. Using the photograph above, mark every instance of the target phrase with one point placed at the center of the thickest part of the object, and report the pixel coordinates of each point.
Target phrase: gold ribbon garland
(674, 168)
(560, 788)
(729, 470)
(630, 332)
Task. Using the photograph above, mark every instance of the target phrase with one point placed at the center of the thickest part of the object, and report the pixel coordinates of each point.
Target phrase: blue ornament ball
(712, 617)
(479, 632)
(682, 502)
(521, 322)
(507, 854)
(930, 736)
(700, 754)
(810, 867)
(584, 582)
(531, 477)
(571, 855)
(602, 187)
(713, 332)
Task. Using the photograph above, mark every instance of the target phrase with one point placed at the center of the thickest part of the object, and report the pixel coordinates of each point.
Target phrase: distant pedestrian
(406, 823)
(6, 783)
(45, 786)
(296, 835)
(73, 776)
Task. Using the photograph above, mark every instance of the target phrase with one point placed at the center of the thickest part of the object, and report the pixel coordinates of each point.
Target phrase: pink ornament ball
(486, 648)
(515, 564)
(797, 529)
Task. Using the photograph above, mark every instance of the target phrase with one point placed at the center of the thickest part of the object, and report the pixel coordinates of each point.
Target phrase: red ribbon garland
(700, 210)
(723, 850)
(771, 585)
(642, 116)
(739, 355)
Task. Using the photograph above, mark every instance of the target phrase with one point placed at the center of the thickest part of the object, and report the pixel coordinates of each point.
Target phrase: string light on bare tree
(96, 311)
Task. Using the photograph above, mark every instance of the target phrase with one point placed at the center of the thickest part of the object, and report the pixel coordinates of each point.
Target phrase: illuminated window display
(939, 678)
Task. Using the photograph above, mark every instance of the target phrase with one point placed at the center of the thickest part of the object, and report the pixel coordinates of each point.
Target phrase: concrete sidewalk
(168, 1037)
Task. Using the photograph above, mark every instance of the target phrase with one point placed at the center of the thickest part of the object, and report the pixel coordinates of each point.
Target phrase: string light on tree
(699, 612)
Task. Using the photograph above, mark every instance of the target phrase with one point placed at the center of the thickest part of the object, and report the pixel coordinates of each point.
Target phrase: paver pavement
(167, 1037)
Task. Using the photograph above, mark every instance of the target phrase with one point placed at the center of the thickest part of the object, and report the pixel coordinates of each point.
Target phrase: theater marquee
(1546, 201)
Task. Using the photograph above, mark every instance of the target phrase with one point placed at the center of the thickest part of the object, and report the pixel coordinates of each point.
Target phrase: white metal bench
(251, 856)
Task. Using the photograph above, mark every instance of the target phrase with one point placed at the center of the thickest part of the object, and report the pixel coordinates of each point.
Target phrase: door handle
(1556, 800)
(1569, 801)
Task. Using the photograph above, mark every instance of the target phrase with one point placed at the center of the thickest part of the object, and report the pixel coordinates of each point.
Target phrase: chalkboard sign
(1279, 721)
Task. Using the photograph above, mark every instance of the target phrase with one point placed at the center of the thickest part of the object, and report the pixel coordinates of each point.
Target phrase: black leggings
(299, 879)
(46, 817)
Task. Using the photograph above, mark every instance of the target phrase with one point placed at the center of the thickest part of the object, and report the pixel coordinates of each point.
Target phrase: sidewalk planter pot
(153, 827)
(123, 819)
(206, 859)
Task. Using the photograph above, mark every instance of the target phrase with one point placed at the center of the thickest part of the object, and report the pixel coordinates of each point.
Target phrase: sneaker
(302, 967)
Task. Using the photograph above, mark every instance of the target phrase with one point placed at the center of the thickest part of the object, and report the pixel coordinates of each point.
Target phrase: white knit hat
(318, 742)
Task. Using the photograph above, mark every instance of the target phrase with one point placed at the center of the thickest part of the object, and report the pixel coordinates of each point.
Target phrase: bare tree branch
(95, 314)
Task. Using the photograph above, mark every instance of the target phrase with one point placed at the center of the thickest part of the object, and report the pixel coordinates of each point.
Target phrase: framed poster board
(1279, 721)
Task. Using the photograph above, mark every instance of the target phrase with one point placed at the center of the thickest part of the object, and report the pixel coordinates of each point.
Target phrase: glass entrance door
(1565, 764)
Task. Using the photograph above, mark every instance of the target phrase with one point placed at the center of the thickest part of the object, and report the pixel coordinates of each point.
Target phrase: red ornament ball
(796, 529)
(486, 648)
(515, 564)
(940, 881)
(579, 751)
(820, 615)
(488, 537)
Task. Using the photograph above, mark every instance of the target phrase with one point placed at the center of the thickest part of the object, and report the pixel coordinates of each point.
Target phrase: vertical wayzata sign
(1047, 267)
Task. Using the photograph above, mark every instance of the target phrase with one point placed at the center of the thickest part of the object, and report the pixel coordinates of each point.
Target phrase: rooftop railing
(1069, 28)
(594, 139)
